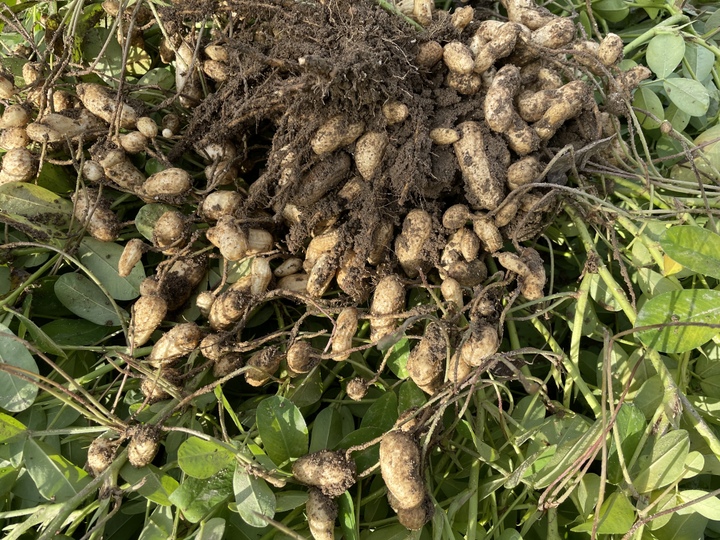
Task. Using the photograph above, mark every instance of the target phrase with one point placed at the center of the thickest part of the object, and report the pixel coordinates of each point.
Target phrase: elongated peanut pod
(321, 513)
(555, 34)
(229, 237)
(426, 362)
(369, 151)
(570, 101)
(499, 101)
(321, 275)
(410, 245)
(96, 216)
(168, 185)
(180, 341)
(100, 101)
(18, 165)
(458, 58)
(345, 329)
(484, 190)
(423, 11)
(335, 133)
(400, 468)
(611, 49)
(389, 299)
(481, 345)
(131, 255)
(147, 314)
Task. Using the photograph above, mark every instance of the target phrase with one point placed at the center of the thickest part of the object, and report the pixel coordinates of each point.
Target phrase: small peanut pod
(499, 101)
(101, 455)
(481, 345)
(18, 165)
(462, 17)
(484, 190)
(14, 116)
(180, 341)
(301, 357)
(400, 468)
(530, 271)
(263, 365)
(458, 58)
(155, 387)
(131, 255)
(521, 138)
(57, 127)
(494, 41)
(95, 215)
(229, 237)
(369, 151)
(417, 517)
(570, 102)
(429, 54)
(506, 212)
(143, 446)
(133, 142)
(318, 246)
(466, 84)
(288, 267)
(382, 236)
(389, 299)
(118, 168)
(98, 100)
(523, 172)
(488, 234)
(217, 71)
(331, 472)
(221, 203)
(259, 241)
(321, 513)
(410, 245)
(630, 79)
(187, 81)
(345, 329)
(456, 217)
(12, 138)
(532, 105)
(423, 11)
(452, 292)
(228, 308)
(555, 34)
(457, 370)
(147, 127)
(322, 178)
(169, 185)
(335, 133)
(443, 136)
(176, 285)
(170, 232)
(296, 283)
(426, 362)
(396, 112)
(322, 273)
(147, 314)
(528, 13)
(610, 51)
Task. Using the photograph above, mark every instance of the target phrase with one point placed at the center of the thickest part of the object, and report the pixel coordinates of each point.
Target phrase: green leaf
(109, 64)
(693, 247)
(202, 459)
(54, 476)
(689, 95)
(707, 370)
(76, 332)
(617, 515)
(410, 396)
(212, 529)
(159, 526)
(683, 527)
(253, 497)
(686, 306)
(282, 429)
(151, 483)
(40, 339)
(8, 476)
(664, 53)
(346, 515)
(10, 428)
(646, 100)
(630, 424)
(289, 500)
(602, 295)
(307, 389)
(34, 210)
(5, 283)
(86, 300)
(398, 358)
(16, 394)
(383, 413)
(699, 62)
(679, 120)
(101, 258)
(196, 498)
(327, 430)
(661, 461)
(611, 10)
(710, 507)
(392, 532)
(147, 216)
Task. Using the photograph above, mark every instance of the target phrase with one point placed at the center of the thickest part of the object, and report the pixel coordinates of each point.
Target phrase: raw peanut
(410, 245)
(467, 274)
(369, 151)
(389, 299)
(630, 79)
(465, 84)
(168, 185)
(423, 11)
(488, 234)
(481, 345)
(324, 243)
(99, 101)
(171, 122)
(457, 370)
(382, 236)
(229, 237)
(322, 178)
(330, 472)
(57, 127)
(259, 241)
(228, 308)
(429, 54)
(288, 267)
(101, 454)
(426, 362)
(345, 329)
(506, 212)
(483, 189)
(301, 357)
(93, 171)
(396, 112)
(570, 101)
(452, 292)
(155, 391)
(532, 105)
(456, 216)
(217, 71)
(351, 276)
(296, 283)
(555, 34)
(532, 284)
(147, 127)
(494, 41)
(180, 341)
(458, 58)
(548, 79)
(143, 446)
(18, 165)
(334, 134)
(95, 215)
(226, 364)
(499, 106)
(133, 142)
(442, 136)
(356, 388)
(187, 81)
(150, 286)
(610, 51)
(417, 517)
(259, 278)
(204, 302)
(462, 17)
(528, 13)
(523, 172)
(176, 285)
(587, 54)
(214, 347)
(12, 138)
(131, 255)
(400, 468)
(118, 168)
(522, 139)
(14, 116)
(219, 53)
(322, 273)
(7, 88)
(469, 244)
(263, 364)
(321, 513)
(220, 203)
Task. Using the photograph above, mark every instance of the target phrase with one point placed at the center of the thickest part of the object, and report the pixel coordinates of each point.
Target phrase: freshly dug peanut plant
(331, 472)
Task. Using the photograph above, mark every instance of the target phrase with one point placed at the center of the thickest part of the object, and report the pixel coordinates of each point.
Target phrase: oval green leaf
(151, 483)
(101, 258)
(9, 428)
(34, 210)
(86, 300)
(282, 429)
(54, 476)
(689, 95)
(147, 216)
(693, 247)
(687, 306)
(202, 459)
(661, 461)
(664, 53)
(197, 498)
(646, 100)
(382, 414)
(611, 10)
(254, 498)
(699, 62)
(16, 394)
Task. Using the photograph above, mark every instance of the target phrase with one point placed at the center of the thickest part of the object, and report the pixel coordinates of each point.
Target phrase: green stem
(576, 337)
(10, 299)
(655, 30)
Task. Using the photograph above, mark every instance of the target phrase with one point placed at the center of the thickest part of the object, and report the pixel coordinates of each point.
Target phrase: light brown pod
(133, 142)
(335, 133)
(369, 151)
(452, 292)
(263, 364)
(532, 284)
(187, 81)
(417, 517)
(229, 237)
(456, 217)
(570, 102)
(143, 446)
(95, 215)
(505, 214)
(610, 51)
(481, 345)
(322, 178)
(131, 255)
(288, 267)
(382, 236)
(147, 127)
(423, 11)
(321, 244)
(532, 105)
(443, 136)
(497, 42)
(410, 245)
(356, 388)
(12, 138)
(219, 53)
(18, 165)
(466, 84)
(226, 364)
(228, 308)
(119, 168)
(221, 173)
(92, 171)
(220, 203)
(345, 329)
(7, 88)
(521, 138)
(179, 341)
(259, 241)
(204, 302)
(528, 13)
(429, 54)
(217, 71)
(523, 171)
(57, 127)
(499, 101)
(168, 185)
(214, 347)
(99, 101)
(458, 58)
(555, 34)
(488, 234)
(462, 17)
(321, 513)
(301, 357)
(457, 370)
(396, 112)
(426, 362)
(14, 116)
(630, 79)
(484, 190)
(321, 275)
(176, 285)
(388, 299)
(170, 232)
(331, 472)
(467, 274)
(400, 468)
(101, 454)
(296, 283)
